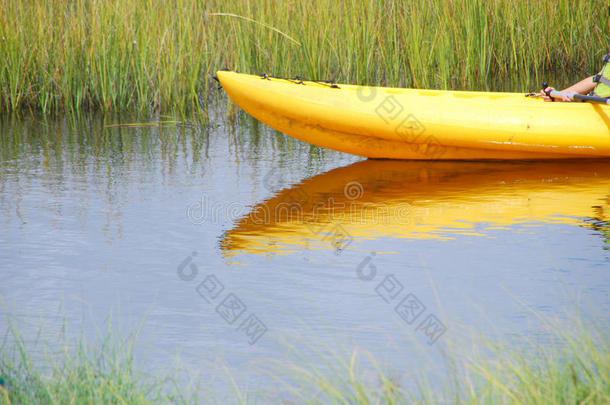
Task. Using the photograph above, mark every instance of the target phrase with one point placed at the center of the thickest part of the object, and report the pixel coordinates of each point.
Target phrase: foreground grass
(66, 55)
(77, 375)
(575, 369)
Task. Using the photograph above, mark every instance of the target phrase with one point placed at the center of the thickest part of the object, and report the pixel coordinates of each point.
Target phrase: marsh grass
(573, 367)
(70, 55)
(71, 373)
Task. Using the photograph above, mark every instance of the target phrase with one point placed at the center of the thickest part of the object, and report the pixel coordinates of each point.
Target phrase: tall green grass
(78, 372)
(70, 55)
(574, 368)
(566, 361)
(573, 371)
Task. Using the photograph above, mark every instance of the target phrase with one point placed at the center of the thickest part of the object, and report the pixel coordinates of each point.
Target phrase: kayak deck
(378, 122)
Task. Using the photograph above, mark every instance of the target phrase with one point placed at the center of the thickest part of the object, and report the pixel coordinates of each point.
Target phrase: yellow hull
(392, 123)
(423, 200)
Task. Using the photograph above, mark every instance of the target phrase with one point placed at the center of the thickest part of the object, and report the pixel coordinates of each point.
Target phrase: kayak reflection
(410, 199)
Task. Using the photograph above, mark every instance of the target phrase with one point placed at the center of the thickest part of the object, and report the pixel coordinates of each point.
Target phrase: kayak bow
(378, 122)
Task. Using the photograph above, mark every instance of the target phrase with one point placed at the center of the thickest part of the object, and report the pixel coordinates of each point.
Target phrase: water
(232, 243)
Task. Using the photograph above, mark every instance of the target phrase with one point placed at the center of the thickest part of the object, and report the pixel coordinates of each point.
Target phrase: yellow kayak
(424, 200)
(379, 122)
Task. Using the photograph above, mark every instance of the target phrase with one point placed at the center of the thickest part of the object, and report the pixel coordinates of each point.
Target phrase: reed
(76, 372)
(573, 369)
(71, 55)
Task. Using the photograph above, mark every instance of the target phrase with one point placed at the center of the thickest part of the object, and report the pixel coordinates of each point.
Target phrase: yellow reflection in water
(408, 199)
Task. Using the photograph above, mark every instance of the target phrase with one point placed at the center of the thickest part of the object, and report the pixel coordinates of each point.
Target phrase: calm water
(233, 243)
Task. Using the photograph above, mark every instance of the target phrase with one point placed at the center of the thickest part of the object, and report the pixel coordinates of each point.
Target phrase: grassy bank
(574, 369)
(68, 55)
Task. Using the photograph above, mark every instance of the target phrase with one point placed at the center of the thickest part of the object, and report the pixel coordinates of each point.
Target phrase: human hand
(544, 92)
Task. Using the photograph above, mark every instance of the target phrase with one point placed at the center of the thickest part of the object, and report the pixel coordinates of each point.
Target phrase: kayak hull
(389, 123)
